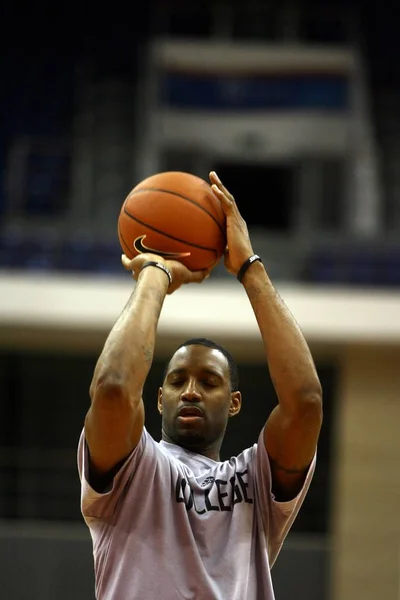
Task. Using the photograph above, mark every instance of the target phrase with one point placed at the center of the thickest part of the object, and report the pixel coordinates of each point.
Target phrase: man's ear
(236, 404)
(159, 400)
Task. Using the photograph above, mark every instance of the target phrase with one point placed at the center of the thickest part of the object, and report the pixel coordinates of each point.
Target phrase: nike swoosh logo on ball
(142, 249)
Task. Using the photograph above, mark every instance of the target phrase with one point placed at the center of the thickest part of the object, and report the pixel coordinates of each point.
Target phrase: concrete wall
(366, 517)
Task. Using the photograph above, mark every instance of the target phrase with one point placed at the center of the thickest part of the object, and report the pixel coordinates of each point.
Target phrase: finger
(213, 177)
(199, 276)
(226, 202)
(216, 181)
(126, 262)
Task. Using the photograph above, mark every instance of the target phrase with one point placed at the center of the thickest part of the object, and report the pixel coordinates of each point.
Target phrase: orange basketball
(175, 215)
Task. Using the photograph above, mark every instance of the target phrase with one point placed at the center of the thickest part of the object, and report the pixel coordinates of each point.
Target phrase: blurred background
(296, 104)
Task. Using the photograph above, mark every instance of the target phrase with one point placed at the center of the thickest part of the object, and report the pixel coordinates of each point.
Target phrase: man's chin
(189, 438)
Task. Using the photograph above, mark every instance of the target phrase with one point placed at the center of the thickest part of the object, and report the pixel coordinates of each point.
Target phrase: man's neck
(212, 452)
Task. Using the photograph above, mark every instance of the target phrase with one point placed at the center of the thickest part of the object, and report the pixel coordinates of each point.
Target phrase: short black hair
(233, 369)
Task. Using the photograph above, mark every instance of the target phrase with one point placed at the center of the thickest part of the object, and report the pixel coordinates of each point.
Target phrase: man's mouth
(190, 412)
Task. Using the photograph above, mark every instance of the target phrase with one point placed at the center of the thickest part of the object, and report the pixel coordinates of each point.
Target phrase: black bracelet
(153, 263)
(246, 265)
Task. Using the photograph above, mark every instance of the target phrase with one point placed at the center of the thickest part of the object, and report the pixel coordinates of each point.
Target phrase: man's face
(196, 400)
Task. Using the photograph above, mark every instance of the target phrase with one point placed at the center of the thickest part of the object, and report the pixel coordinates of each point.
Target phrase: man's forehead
(207, 357)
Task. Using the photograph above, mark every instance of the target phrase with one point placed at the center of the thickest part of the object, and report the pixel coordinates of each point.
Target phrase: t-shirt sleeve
(275, 517)
(104, 505)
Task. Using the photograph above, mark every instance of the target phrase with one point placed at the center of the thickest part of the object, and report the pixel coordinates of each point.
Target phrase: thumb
(126, 262)
(199, 276)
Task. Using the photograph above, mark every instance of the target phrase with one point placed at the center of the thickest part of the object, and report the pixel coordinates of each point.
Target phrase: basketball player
(168, 519)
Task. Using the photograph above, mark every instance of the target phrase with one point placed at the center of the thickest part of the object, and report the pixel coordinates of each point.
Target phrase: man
(168, 519)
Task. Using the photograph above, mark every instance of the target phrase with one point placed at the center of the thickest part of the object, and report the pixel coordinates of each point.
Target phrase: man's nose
(190, 392)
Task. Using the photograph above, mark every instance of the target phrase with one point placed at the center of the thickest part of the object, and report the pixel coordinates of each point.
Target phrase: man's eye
(209, 383)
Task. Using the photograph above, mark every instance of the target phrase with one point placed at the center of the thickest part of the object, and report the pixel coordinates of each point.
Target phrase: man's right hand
(180, 274)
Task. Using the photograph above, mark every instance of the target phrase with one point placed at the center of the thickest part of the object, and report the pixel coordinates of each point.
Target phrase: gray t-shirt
(176, 525)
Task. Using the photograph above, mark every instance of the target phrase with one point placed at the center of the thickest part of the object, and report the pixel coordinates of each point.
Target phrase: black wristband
(246, 265)
(153, 263)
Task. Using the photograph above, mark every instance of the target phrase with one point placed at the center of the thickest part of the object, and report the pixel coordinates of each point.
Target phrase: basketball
(175, 215)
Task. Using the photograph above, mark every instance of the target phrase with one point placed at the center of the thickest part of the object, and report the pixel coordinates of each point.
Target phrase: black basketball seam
(172, 237)
(120, 232)
(140, 190)
(123, 240)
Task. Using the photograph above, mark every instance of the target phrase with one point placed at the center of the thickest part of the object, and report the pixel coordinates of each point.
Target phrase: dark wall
(43, 401)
